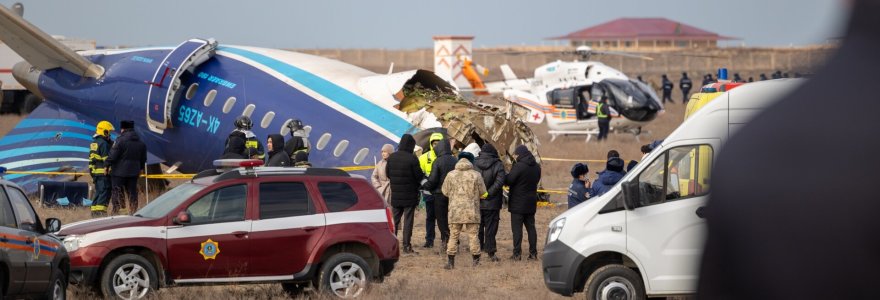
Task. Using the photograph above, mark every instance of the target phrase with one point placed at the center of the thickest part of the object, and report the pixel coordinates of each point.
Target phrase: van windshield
(168, 201)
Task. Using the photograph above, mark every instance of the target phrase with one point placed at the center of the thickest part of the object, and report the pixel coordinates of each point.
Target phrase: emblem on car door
(36, 248)
(210, 249)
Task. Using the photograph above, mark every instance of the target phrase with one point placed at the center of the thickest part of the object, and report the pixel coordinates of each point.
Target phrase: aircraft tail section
(507, 72)
(40, 49)
(50, 139)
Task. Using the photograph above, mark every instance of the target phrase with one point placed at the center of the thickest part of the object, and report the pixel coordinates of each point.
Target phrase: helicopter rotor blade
(625, 54)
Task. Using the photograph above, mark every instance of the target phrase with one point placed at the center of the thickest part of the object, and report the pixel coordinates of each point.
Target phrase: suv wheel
(615, 282)
(345, 275)
(128, 276)
(58, 291)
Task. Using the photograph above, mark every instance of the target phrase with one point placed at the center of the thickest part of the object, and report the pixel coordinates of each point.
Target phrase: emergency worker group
(115, 166)
(463, 192)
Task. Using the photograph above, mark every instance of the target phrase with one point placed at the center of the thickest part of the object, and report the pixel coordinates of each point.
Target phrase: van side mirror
(630, 194)
(53, 225)
(182, 218)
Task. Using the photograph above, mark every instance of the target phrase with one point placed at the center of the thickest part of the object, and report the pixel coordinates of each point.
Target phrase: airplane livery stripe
(372, 112)
(25, 137)
(28, 123)
(42, 149)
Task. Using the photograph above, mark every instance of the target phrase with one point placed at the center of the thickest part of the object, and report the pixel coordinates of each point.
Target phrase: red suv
(295, 226)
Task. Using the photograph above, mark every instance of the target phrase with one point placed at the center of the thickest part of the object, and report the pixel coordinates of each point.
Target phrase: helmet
(295, 124)
(104, 128)
(244, 122)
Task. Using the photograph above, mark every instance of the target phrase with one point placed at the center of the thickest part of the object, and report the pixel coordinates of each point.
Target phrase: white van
(645, 236)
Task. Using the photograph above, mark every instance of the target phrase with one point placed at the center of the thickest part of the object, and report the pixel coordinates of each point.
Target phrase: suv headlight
(71, 242)
(555, 230)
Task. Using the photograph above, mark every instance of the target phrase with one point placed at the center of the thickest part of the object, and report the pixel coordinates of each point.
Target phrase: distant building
(643, 34)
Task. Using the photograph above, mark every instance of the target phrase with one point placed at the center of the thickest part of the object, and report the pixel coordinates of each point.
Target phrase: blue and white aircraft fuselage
(348, 121)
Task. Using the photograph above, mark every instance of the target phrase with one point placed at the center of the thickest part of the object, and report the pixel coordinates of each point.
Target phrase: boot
(493, 258)
(516, 257)
(476, 260)
(450, 262)
(533, 257)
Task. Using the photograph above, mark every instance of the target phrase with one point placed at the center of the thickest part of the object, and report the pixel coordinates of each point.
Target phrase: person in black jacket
(802, 233)
(492, 170)
(277, 156)
(685, 85)
(235, 148)
(405, 175)
(667, 89)
(523, 182)
(442, 165)
(127, 158)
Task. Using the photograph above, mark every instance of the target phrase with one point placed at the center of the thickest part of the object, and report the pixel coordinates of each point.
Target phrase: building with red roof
(644, 33)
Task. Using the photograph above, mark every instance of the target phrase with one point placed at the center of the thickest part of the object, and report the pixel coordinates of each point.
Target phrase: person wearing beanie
(301, 160)
(631, 165)
(492, 171)
(127, 158)
(464, 187)
(608, 178)
(579, 190)
(466, 155)
(404, 177)
(379, 179)
(523, 182)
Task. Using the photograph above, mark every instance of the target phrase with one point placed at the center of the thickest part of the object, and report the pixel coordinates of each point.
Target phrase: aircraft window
(249, 110)
(563, 98)
(284, 129)
(227, 107)
(191, 91)
(307, 129)
(359, 157)
(209, 98)
(267, 119)
(323, 141)
(340, 148)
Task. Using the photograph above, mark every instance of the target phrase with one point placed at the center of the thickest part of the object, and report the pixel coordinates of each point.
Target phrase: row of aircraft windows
(323, 141)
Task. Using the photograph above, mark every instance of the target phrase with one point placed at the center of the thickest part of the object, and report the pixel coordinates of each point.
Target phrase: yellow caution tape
(356, 168)
(553, 191)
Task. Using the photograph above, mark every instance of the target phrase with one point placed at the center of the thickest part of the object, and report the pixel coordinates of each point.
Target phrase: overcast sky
(396, 24)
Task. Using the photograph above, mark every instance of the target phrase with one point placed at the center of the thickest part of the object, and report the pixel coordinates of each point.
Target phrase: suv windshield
(168, 201)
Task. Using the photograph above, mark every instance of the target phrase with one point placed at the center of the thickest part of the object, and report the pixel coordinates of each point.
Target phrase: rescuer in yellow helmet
(99, 150)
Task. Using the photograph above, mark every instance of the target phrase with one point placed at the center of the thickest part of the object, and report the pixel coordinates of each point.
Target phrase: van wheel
(615, 282)
(128, 276)
(345, 275)
(58, 290)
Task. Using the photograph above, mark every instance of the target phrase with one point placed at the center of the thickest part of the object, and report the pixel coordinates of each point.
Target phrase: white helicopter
(566, 95)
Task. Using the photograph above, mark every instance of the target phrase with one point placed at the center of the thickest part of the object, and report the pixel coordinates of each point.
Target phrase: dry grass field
(422, 276)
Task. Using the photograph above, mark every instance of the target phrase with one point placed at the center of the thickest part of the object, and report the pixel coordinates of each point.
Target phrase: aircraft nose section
(28, 76)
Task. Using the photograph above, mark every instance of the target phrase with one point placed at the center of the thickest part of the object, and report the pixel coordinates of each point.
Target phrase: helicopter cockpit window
(563, 98)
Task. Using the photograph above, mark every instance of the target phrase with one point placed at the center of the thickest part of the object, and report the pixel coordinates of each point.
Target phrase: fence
(746, 61)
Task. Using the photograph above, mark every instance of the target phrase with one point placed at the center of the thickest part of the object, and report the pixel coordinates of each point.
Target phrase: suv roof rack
(279, 171)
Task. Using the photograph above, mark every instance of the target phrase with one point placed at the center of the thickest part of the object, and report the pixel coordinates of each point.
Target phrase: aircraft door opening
(165, 86)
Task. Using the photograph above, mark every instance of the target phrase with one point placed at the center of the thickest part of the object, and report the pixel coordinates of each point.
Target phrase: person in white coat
(380, 177)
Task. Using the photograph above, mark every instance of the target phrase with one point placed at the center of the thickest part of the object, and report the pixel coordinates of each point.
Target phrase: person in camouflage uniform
(464, 186)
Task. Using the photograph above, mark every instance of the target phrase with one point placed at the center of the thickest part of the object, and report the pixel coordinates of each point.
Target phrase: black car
(33, 263)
